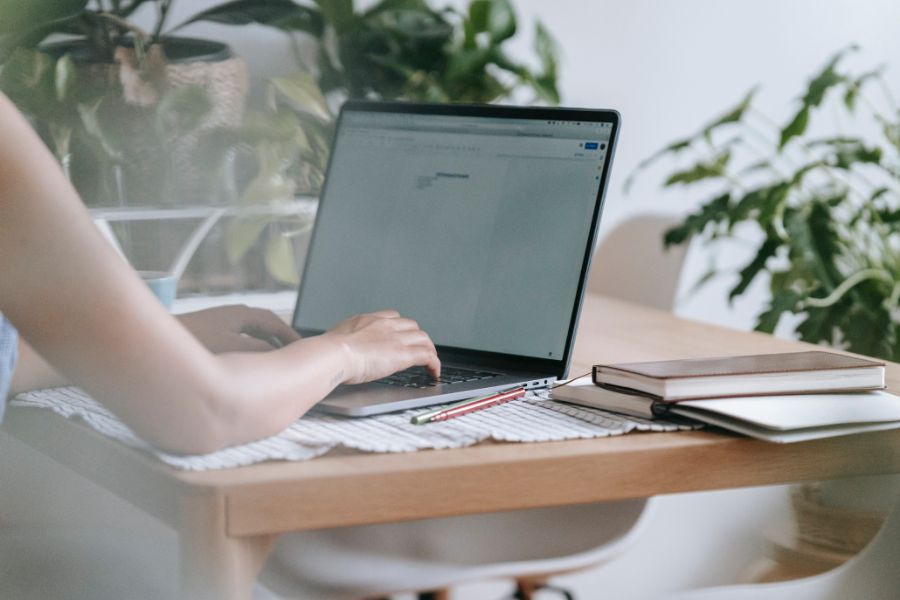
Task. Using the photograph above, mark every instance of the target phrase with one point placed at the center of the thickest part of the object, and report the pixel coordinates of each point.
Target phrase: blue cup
(162, 284)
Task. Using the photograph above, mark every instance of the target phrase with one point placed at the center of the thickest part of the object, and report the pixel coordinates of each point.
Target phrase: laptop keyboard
(419, 377)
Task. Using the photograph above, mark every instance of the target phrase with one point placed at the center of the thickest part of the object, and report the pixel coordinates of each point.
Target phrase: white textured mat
(534, 418)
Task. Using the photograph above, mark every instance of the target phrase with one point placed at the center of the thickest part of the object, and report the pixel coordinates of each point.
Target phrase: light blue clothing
(8, 350)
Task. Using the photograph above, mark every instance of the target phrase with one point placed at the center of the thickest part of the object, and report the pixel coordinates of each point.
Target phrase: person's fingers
(252, 344)
(267, 325)
(415, 338)
(244, 343)
(426, 356)
(402, 324)
(384, 314)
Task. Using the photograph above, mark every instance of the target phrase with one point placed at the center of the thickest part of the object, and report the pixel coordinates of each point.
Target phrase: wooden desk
(227, 520)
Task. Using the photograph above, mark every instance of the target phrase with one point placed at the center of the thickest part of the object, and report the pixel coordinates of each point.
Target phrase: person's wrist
(347, 359)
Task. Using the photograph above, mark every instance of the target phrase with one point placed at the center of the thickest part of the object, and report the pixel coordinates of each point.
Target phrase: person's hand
(380, 343)
(238, 328)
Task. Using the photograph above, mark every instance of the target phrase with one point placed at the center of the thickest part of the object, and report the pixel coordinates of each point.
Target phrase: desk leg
(213, 565)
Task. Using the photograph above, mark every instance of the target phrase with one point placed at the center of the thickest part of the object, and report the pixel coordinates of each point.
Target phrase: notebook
(763, 374)
(776, 418)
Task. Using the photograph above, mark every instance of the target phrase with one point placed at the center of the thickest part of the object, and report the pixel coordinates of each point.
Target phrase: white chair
(632, 264)
(528, 546)
(874, 574)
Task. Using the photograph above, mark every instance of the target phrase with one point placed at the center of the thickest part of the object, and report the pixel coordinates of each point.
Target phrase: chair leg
(435, 595)
(526, 588)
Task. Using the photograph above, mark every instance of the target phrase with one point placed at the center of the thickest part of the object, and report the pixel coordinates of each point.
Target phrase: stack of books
(775, 397)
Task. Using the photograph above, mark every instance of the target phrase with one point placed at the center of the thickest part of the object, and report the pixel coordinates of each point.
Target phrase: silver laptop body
(476, 221)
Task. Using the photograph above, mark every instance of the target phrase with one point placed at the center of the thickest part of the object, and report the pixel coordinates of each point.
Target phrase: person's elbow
(208, 422)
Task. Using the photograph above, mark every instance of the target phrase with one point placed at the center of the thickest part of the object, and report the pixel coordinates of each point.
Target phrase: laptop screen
(474, 226)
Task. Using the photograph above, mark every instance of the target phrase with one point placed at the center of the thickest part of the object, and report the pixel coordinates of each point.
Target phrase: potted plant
(824, 210)
(391, 50)
(138, 68)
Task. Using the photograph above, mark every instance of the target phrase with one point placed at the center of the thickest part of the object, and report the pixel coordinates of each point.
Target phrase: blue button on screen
(590, 145)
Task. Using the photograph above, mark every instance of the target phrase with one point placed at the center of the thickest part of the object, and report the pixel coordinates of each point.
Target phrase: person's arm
(232, 328)
(90, 316)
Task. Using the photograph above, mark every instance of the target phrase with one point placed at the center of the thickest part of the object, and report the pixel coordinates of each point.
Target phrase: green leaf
(281, 261)
(732, 116)
(846, 156)
(856, 85)
(796, 127)
(755, 266)
(760, 204)
(761, 165)
(29, 15)
(866, 328)
(783, 301)
(501, 19)
(183, 109)
(847, 151)
(819, 324)
(242, 234)
(91, 123)
(302, 91)
(818, 86)
(827, 78)
(27, 78)
(710, 169)
(477, 21)
(30, 38)
(824, 236)
(65, 77)
(878, 193)
(337, 13)
(283, 14)
(547, 50)
(816, 255)
(467, 64)
(713, 211)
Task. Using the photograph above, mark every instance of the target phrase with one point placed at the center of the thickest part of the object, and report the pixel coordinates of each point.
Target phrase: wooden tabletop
(348, 489)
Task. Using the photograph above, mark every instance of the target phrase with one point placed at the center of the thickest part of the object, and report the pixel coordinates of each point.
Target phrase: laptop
(478, 222)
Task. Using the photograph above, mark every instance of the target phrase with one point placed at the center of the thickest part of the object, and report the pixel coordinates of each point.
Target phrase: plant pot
(153, 174)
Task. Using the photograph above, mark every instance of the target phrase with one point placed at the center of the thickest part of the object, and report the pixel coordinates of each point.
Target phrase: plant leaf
(734, 115)
(783, 301)
(755, 266)
(547, 50)
(796, 127)
(827, 78)
(303, 93)
(241, 234)
(283, 14)
(713, 211)
(91, 124)
(27, 78)
(16, 17)
(818, 86)
(280, 260)
(337, 13)
(64, 78)
(501, 21)
(845, 156)
(859, 325)
(855, 87)
(183, 109)
(711, 169)
(819, 324)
